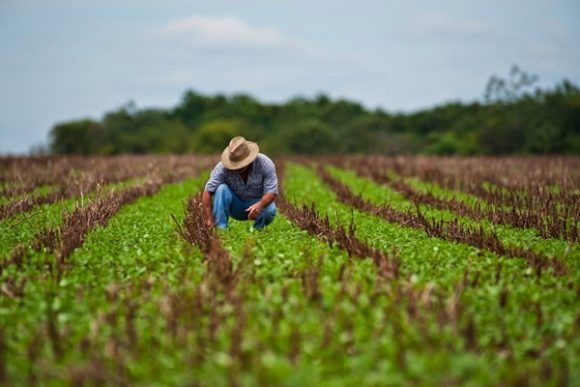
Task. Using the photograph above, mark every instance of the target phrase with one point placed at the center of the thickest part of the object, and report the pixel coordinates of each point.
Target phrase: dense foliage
(514, 118)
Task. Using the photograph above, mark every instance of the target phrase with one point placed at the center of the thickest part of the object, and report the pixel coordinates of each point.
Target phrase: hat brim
(229, 164)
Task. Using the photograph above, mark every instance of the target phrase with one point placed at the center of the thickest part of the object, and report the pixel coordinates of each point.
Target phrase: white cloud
(433, 24)
(223, 31)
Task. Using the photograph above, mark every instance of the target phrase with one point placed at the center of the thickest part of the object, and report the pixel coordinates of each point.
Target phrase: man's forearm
(267, 199)
(206, 199)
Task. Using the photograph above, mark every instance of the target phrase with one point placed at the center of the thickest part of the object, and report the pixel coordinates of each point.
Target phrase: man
(243, 185)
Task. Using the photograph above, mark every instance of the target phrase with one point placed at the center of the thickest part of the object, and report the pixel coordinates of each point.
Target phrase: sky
(72, 59)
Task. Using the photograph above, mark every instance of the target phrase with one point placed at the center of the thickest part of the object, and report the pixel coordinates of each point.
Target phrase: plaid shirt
(262, 179)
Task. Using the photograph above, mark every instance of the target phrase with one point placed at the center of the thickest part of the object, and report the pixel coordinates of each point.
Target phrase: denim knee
(269, 211)
(223, 189)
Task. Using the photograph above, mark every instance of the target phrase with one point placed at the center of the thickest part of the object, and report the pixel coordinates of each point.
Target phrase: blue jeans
(226, 203)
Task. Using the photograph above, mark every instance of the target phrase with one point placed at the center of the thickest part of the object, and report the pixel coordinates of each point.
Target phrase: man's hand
(206, 199)
(254, 210)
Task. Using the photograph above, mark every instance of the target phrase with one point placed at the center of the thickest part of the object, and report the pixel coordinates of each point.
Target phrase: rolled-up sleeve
(270, 177)
(216, 178)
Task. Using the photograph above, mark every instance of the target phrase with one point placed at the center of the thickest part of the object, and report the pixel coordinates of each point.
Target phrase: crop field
(376, 271)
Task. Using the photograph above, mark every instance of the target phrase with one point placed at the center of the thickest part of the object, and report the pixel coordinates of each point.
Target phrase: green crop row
(430, 260)
(138, 248)
(510, 236)
(22, 227)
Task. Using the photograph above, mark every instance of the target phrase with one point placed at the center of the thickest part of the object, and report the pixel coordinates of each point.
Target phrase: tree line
(514, 117)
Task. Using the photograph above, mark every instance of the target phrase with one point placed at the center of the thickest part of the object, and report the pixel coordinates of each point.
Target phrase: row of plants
(552, 214)
(22, 228)
(42, 257)
(520, 238)
(70, 177)
(155, 297)
(503, 304)
(22, 175)
(548, 226)
(111, 329)
(547, 186)
(453, 230)
(307, 218)
(77, 324)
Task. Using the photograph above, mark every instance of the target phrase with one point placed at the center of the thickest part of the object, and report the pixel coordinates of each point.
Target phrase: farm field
(376, 271)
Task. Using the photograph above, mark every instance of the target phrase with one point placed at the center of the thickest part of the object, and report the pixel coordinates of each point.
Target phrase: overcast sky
(68, 59)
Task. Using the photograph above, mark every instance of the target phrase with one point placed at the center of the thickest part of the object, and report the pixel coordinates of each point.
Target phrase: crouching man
(243, 185)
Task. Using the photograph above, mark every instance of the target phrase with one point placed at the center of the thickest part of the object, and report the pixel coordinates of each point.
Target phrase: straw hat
(239, 153)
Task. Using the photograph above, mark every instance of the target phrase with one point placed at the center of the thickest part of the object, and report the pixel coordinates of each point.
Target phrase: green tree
(213, 136)
(516, 86)
(76, 137)
(513, 118)
(308, 137)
